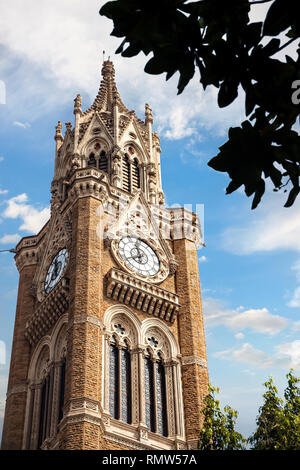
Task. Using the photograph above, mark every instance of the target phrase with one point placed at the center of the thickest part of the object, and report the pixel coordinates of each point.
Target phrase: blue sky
(250, 267)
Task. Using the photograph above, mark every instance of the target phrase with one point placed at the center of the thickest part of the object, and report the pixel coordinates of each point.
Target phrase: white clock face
(139, 256)
(56, 270)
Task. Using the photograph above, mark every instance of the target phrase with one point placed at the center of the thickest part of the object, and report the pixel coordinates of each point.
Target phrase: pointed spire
(108, 93)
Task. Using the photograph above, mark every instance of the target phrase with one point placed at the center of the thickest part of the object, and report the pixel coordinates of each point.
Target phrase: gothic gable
(138, 221)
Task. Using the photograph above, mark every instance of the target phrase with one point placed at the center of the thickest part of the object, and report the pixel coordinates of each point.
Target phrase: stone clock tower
(109, 347)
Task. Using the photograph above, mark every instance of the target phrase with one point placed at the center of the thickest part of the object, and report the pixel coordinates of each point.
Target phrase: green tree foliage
(218, 431)
(217, 38)
(278, 422)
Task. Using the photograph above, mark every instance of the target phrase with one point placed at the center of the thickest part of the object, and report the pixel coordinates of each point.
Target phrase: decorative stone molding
(54, 305)
(87, 319)
(141, 295)
(82, 403)
(187, 360)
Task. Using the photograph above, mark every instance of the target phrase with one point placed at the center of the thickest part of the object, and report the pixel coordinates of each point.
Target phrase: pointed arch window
(144, 379)
(103, 162)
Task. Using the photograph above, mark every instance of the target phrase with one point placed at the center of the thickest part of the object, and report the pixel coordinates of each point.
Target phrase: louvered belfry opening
(136, 184)
(103, 162)
(126, 174)
(92, 160)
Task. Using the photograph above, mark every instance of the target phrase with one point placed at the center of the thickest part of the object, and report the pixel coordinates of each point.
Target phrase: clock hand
(133, 257)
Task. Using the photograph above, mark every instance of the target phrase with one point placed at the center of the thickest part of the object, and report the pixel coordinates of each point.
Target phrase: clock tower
(109, 347)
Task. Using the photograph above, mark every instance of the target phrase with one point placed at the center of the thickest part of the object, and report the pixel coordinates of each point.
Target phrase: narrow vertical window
(126, 386)
(114, 381)
(149, 394)
(92, 160)
(161, 401)
(126, 174)
(43, 412)
(135, 175)
(103, 164)
(62, 390)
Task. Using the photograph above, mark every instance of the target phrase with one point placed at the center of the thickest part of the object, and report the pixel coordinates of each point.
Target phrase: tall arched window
(120, 382)
(126, 385)
(149, 393)
(144, 387)
(46, 388)
(161, 399)
(114, 385)
(155, 395)
(136, 183)
(62, 382)
(103, 162)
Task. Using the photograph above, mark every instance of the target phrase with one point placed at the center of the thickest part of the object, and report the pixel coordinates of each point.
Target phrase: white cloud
(292, 351)
(1, 159)
(202, 259)
(286, 357)
(270, 227)
(248, 355)
(239, 336)
(295, 300)
(24, 125)
(6, 239)
(33, 219)
(259, 320)
(3, 191)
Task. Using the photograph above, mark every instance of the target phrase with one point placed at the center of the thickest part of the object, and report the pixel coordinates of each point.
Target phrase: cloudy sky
(250, 267)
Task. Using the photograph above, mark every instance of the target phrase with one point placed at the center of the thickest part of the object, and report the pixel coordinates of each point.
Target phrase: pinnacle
(108, 70)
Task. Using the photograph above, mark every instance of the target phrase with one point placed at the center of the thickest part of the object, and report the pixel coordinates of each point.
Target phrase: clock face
(139, 256)
(56, 270)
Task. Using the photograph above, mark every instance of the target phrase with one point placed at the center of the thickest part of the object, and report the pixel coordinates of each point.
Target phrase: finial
(68, 127)
(58, 128)
(103, 57)
(108, 70)
(77, 103)
(148, 114)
